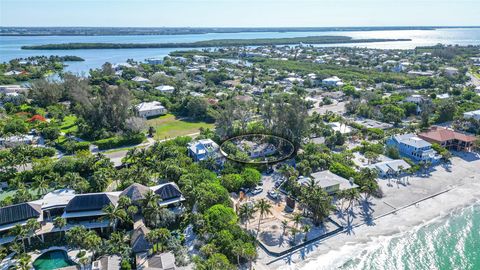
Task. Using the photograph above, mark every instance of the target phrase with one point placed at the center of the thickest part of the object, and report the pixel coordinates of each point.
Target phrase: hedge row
(120, 141)
(71, 146)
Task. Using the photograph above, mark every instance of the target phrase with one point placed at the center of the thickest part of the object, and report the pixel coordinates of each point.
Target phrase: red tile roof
(441, 134)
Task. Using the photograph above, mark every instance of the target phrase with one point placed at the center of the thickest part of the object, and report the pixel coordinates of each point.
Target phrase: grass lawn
(168, 126)
(68, 124)
(476, 73)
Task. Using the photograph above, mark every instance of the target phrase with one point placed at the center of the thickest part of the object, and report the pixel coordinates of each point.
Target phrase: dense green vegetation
(210, 43)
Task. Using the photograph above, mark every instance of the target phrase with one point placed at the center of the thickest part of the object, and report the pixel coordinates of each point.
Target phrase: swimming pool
(53, 259)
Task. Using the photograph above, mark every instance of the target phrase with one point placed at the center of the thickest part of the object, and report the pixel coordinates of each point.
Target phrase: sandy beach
(405, 207)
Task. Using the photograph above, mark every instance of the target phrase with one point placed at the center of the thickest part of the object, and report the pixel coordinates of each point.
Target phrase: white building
(332, 81)
(202, 149)
(12, 88)
(342, 128)
(472, 115)
(150, 109)
(12, 73)
(390, 167)
(451, 71)
(166, 89)
(329, 181)
(140, 80)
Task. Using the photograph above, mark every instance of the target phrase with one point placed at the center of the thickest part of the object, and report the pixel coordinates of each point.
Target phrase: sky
(239, 13)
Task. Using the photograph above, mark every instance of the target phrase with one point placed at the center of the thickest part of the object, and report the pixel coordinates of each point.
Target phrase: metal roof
(90, 202)
(19, 212)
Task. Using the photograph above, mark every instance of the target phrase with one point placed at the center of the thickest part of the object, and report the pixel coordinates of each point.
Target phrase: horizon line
(254, 27)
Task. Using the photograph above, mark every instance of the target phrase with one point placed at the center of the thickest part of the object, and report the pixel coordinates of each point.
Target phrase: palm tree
(24, 261)
(3, 253)
(293, 232)
(150, 199)
(246, 213)
(237, 250)
(22, 160)
(264, 208)
(19, 233)
(114, 215)
(306, 228)
(351, 195)
(159, 238)
(249, 253)
(41, 184)
(297, 218)
(31, 227)
(83, 261)
(59, 223)
(70, 179)
(284, 226)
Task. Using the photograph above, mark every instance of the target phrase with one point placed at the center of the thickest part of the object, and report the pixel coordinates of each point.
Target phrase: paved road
(473, 79)
(117, 156)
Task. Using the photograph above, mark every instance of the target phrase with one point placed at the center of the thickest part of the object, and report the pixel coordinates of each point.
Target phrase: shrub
(342, 170)
(72, 146)
(40, 152)
(120, 141)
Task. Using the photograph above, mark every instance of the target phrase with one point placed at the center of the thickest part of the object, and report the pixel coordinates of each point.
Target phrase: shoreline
(416, 218)
(460, 191)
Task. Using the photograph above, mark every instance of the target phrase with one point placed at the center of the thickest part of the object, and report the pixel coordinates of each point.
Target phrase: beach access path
(416, 200)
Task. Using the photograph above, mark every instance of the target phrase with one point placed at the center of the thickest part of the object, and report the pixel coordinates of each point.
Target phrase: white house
(166, 89)
(332, 81)
(150, 109)
(390, 167)
(12, 73)
(451, 71)
(329, 181)
(140, 79)
(472, 115)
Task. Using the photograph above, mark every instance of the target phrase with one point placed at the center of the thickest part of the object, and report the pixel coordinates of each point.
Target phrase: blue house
(411, 146)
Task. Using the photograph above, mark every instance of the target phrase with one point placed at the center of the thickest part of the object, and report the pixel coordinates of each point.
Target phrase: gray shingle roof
(135, 192)
(138, 241)
(164, 261)
(19, 212)
(168, 191)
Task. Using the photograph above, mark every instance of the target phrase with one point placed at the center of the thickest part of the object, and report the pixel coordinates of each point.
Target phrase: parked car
(257, 190)
(278, 183)
(273, 194)
(270, 170)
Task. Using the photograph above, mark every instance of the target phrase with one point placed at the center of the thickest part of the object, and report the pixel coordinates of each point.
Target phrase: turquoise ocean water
(452, 242)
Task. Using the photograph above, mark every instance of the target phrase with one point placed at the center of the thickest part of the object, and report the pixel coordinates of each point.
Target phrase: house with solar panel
(17, 214)
(81, 209)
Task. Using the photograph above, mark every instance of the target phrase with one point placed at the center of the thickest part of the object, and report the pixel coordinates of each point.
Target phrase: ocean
(448, 243)
(10, 46)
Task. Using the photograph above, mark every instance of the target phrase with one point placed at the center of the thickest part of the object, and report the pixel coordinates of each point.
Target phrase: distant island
(125, 31)
(210, 43)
